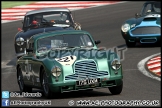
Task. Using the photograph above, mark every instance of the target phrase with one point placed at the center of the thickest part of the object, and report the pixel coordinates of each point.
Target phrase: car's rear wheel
(130, 44)
(20, 80)
(116, 89)
(44, 81)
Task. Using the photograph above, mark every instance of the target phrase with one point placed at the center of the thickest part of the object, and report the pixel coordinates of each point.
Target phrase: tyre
(116, 89)
(20, 80)
(44, 81)
(18, 57)
(130, 44)
(90, 90)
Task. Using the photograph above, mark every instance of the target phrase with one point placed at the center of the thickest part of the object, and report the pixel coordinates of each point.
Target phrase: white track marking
(11, 15)
(157, 70)
(130, 70)
(155, 65)
(4, 64)
(141, 67)
(154, 61)
(155, 58)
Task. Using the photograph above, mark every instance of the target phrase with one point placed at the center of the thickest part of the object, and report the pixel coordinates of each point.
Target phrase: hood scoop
(152, 17)
(149, 19)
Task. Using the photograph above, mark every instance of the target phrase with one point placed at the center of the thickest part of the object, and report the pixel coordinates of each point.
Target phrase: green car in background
(68, 60)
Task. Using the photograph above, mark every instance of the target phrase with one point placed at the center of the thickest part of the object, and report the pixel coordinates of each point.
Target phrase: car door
(28, 64)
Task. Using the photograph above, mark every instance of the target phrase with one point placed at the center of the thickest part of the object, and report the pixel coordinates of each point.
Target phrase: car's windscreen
(49, 18)
(64, 41)
(151, 8)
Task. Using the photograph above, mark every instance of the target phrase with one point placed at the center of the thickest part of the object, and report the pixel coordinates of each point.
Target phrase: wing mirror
(137, 15)
(97, 42)
(19, 29)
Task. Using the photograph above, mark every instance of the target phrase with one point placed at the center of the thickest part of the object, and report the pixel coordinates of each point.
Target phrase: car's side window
(26, 21)
(148, 9)
(86, 40)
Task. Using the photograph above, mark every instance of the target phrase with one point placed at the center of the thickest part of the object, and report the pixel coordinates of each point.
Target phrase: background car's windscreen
(70, 40)
(151, 8)
(54, 17)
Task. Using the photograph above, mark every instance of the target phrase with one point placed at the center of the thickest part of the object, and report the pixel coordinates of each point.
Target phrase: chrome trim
(155, 40)
(89, 88)
(117, 63)
(20, 54)
(20, 41)
(47, 10)
(85, 69)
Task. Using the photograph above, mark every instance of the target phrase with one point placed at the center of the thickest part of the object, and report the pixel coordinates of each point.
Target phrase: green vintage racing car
(67, 60)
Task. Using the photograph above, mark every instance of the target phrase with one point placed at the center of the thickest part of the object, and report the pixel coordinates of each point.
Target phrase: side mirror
(97, 42)
(29, 50)
(137, 15)
(19, 29)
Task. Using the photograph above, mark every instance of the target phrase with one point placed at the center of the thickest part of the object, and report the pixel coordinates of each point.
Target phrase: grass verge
(9, 4)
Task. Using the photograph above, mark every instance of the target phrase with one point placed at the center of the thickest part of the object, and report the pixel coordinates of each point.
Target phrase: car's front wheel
(130, 44)
(46, 90)
(116, 89)
(20, 80)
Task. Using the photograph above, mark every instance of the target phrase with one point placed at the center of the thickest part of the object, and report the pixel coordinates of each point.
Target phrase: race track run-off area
(103, 20)
(18, 12)
(154, 65)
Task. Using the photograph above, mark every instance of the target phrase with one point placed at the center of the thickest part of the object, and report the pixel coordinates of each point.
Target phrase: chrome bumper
(20, 54)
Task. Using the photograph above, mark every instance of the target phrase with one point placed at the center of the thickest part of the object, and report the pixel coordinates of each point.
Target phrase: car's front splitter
(72, 86)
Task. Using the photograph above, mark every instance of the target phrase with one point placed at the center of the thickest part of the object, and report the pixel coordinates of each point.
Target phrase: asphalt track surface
(104, 24)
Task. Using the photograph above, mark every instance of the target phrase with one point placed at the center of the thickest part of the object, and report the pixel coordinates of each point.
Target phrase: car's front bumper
(142, 38)
(143, 34)
(71, 85)
(19, 54)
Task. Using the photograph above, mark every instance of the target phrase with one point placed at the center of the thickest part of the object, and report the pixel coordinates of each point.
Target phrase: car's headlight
(115, 64)
(125, 27)
(19, 41)
(56, 71)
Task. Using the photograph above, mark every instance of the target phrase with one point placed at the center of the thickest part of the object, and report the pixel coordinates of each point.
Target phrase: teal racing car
(68, 60)
(145, 28)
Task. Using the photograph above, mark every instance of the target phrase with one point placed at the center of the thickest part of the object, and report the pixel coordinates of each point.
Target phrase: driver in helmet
(37, 19)
(157, 7)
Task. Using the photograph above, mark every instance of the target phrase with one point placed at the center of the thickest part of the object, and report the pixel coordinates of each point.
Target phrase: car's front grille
(85, 69)
(146, 30)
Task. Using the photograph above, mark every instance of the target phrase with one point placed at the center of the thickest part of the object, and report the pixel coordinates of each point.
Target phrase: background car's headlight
(19, 41)
(125, 27)
(115, 64)
(56, 71)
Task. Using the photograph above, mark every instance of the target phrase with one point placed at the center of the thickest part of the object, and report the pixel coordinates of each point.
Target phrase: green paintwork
(102, 64)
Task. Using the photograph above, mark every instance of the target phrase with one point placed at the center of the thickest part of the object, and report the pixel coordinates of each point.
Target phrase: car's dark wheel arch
(23, 88)
(42, 73)
(116, 89)
(130, 44)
